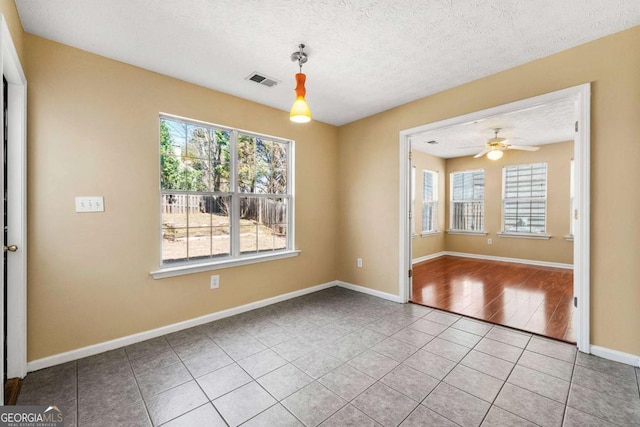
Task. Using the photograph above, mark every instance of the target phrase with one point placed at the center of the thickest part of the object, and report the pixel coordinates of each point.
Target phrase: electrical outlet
(90, 204)
(489, 242)
(215, 282)
(359, 262)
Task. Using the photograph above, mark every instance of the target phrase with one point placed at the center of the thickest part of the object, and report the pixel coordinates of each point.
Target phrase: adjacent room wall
(557, 249)
(431, 243)
(93, 131)
(369, 170)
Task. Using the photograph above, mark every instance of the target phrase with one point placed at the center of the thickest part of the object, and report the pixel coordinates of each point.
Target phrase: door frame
(17, 212)
(581, 94)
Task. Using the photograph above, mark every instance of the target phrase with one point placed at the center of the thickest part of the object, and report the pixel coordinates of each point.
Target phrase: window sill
(568, 238)
(429, 233)
(525, 236)
(469, 233)
(180, 270)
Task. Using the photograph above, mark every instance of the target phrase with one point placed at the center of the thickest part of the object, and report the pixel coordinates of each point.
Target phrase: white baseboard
(91, 350)
(427, 257)
(616, 356)
(514, 260)
(369, 291)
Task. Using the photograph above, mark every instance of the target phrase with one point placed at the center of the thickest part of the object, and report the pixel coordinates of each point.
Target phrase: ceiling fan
(494, 147)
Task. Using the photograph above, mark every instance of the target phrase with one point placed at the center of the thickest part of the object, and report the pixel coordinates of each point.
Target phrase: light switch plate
(90, 204)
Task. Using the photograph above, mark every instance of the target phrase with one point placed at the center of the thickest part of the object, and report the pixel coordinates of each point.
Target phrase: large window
(429, 201)
(467, 201)
(525, 198)
(225, 193)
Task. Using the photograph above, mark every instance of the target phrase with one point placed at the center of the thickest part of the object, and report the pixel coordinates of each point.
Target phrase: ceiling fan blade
(523, 148)
(470, 146)
(482, 153)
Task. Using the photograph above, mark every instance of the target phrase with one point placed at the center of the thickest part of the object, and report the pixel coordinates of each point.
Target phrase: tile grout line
(197, 383)
(252, 380)
(492, 404)
(135, 378)
(443, 378)
(573, 369)
(591, 389)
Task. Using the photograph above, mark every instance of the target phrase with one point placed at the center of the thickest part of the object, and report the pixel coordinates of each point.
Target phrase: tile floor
(341, 358)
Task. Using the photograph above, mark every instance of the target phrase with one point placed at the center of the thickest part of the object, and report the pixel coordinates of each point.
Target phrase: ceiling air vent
(262, 79)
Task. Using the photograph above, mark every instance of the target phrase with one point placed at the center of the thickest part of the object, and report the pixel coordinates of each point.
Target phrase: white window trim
(451, 202)
(534, 236)
(542, 235)
(179, 270)
(469, 233)
(236, 259)
(430, 233)
(435, 201)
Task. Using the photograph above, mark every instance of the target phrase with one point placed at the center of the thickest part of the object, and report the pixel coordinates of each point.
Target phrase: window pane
(428, 216)
(467, 208)
(427, 186)
(194, 226)
(262, 165)
(525, 189)
(468, 216)
(199, 241)
(263, 224)
(174, 244)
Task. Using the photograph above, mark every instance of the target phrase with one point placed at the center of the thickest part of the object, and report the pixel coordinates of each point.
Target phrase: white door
(13, 176)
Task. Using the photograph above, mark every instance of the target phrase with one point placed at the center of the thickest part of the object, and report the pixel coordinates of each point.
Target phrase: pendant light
(300, 112)
(495, 154)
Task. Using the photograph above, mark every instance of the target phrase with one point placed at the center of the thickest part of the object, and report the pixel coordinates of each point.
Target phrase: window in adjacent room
(429, 201)
(467, 201)
(226, 194)
(524, 198)
(413, 200)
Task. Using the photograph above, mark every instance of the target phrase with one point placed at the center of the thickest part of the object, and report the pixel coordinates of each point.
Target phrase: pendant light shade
(495, 154)
(300, 111)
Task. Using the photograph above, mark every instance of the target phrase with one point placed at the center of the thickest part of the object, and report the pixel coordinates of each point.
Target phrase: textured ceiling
(534, 126)
(365, 56)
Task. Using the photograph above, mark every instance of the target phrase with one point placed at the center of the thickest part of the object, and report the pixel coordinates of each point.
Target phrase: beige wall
(10, 13)
(557, 249)
(369, 167)
(431, 243)
(93, 130)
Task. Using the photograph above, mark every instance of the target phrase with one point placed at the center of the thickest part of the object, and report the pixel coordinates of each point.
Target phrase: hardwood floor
(531, 298)
(12, 390)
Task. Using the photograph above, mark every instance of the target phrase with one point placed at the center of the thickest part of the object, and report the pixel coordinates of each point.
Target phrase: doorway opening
(472, 232)
(14, 274)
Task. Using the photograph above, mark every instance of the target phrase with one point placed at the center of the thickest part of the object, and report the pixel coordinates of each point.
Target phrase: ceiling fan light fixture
(300, 111)
(495, 154)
